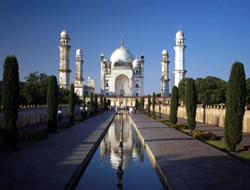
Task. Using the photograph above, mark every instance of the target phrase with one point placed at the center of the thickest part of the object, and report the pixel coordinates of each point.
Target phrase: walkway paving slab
(49, 164)
(188, 163)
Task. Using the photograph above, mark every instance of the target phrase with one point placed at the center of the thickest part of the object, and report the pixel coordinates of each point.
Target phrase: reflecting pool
(120, 161)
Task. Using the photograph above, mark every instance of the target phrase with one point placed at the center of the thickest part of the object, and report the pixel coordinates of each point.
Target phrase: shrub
(10, 101)
(52, 103)
(190, 96)
(179, 126)
(235, 106)
(174, 105)
(205, 136)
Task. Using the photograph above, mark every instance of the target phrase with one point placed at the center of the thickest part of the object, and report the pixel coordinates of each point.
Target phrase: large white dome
(121, 55)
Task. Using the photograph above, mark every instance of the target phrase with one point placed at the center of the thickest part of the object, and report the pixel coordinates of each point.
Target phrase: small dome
(102, 55)
(136, 63)
(121, 55)
(179, 35)
(64, 34)
(79, 52)
(164, 52)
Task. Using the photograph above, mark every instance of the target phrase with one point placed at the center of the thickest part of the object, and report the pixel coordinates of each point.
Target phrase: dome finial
(122, 41)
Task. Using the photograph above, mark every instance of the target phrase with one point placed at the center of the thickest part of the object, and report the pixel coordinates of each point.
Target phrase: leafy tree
(149, 103)
(158, 95)
(35, 89)
(190, 100)
(95, 103)
(248, 91)
(235, 106)
(71, 104)
(153, 105)
(174, 105)
(182, 89)
(91, 103)
(212, 90)
(10, 101)
(63, 96)
(52, 103)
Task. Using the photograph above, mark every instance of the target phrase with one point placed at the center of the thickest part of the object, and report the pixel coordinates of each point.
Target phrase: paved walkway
(187, 163)
(49, 164)
(219, 131)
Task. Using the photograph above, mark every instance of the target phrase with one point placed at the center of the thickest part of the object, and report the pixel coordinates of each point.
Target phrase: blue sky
(217, 34)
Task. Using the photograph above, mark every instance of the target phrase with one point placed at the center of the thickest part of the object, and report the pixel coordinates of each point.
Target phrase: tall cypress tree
(10, 101)
(84, 106)
(149, 103)
(102, 105)
(159, 109)
(105, 103)
(191, 100)
(95, 103)
(235, 106)
(153, 103)
(174, 105)
(71, 104)
(91, 103)
(136, 104)
(52, 103)
(143, 102)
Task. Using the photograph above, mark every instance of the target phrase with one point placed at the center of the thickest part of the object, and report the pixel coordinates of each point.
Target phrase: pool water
(120, 161)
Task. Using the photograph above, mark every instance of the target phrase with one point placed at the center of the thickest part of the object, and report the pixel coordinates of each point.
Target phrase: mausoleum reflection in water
(120, 162)
(121, 144)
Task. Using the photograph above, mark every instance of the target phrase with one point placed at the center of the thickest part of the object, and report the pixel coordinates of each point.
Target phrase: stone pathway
(187, 163)
(215, 130)
(49, 164)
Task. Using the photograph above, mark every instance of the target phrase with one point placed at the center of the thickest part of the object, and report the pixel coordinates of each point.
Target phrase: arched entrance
(122, 86)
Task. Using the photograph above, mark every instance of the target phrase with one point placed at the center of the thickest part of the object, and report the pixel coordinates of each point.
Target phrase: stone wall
(209, 115)
(35, 115)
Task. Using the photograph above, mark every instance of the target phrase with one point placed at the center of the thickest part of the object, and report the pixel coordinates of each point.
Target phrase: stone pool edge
(151, 156)
(74, 180)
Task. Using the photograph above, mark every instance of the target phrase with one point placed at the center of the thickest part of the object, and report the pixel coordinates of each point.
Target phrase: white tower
(179, 48)
(64, 69)
(164, 74)
(79, 86)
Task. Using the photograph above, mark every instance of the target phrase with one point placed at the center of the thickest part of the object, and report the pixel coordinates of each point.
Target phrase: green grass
(244, 155)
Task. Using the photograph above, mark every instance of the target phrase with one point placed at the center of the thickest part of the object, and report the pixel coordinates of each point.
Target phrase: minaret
(179, 48)
(142, 74)
(164, 74)
(79, 86)
(64, 69)
(103, 73)
(79, 63)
